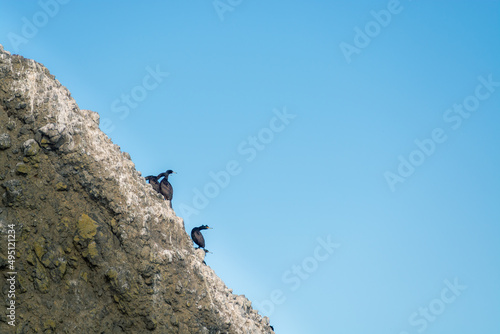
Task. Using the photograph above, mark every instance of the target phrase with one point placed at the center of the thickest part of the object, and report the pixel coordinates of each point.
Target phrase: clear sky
(345, 153)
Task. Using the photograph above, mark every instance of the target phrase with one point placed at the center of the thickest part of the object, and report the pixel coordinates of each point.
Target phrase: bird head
(204, 227)
(168, 172)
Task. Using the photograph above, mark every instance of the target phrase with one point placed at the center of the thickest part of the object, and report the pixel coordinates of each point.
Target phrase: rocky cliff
(97, 250)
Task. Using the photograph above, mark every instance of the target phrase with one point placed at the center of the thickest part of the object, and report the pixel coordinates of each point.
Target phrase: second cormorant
(198, 237)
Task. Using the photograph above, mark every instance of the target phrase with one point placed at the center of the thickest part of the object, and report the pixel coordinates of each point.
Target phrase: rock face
(97, 250)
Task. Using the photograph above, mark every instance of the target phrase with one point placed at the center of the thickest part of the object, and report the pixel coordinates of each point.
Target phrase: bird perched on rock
(165, 187)
(198, 237)
(153, 181)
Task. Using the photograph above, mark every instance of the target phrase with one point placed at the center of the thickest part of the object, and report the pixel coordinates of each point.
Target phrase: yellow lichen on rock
(92, 250)
(61, 186)
(87, 228)
(22, 168)
(39, 247)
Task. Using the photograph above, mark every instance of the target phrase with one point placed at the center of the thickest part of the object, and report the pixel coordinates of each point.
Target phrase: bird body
(198, 237)
(153, 181)
(165, 188)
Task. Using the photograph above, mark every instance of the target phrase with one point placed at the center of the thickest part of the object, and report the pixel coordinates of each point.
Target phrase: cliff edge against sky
(97, 249)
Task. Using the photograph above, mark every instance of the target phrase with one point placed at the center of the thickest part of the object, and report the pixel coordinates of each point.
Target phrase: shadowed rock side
(98, 250)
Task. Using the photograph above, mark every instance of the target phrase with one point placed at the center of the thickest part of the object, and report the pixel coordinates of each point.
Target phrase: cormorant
(153, 181)
(198, 237)
(165, 187)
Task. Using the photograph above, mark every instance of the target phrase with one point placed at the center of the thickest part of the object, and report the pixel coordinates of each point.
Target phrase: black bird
(153, 181)
(198, 237)
(165, 187)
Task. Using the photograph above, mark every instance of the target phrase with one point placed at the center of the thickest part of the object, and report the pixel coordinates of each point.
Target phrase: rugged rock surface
(97, 251)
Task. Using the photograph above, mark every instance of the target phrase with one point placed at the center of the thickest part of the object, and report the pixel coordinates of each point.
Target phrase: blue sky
(369, 205)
